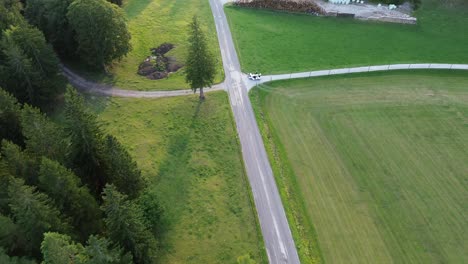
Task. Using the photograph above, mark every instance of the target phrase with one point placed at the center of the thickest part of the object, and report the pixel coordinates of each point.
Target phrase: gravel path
(107, 90)
(389, 67)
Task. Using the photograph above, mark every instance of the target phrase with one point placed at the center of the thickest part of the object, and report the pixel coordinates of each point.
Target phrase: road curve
(278, 239)
(108, 90)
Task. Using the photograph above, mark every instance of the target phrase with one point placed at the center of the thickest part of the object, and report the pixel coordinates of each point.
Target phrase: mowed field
(275, 42)
(372, 166)
(152, 23)
(190, 155)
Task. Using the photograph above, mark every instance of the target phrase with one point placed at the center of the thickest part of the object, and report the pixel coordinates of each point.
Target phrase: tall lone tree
(200, 68)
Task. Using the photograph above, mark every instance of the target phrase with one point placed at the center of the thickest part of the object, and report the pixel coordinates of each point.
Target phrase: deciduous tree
(51, 17)
(101, 31)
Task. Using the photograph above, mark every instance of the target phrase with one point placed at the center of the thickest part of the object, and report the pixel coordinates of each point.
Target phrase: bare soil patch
(157, 65)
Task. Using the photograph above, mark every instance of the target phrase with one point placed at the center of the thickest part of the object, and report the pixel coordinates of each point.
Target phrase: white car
(255, 76)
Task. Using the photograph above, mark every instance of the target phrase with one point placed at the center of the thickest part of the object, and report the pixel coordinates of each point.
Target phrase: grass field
(190, 154)
(151, 23)
(273, 42)
(372, 166)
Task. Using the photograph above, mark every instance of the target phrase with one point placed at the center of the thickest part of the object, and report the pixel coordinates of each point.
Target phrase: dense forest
(69, 192)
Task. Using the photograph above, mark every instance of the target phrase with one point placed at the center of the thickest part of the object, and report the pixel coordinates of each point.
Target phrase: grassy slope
(273, 42)
(191, 156)
(151, 23)
(377, 163)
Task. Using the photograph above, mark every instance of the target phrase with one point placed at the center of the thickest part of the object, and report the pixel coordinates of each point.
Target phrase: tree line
(70, 193)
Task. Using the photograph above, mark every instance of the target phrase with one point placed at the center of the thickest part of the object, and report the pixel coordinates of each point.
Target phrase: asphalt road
(276, 233)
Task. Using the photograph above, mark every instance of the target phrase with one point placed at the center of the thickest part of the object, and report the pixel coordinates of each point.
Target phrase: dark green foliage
(70, 197)
(5, 259)
(152, 211)
(10, 236)
(10, 118)
(200, 67)
(101, 31)
(117, 2)
(85, 142)
(42, 136)
(20, 164)
(122, 171)
(51, 17)
(126, 226)
(100, 251)
(60, 249)
(9, 13)
(29, 69)
(5, 177)
(34, 214)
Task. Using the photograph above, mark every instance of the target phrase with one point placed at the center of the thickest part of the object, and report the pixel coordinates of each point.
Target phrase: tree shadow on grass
(134, 7)
(174, 180)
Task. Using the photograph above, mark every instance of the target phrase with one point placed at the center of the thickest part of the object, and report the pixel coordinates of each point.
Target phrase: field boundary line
(362, 69)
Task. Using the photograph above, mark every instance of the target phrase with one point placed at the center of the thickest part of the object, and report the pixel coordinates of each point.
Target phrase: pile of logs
(283, 5)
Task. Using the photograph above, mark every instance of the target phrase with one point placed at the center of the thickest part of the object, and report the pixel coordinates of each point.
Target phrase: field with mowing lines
(275, 42)
(190, 154)
(151, 23)
(372, 166)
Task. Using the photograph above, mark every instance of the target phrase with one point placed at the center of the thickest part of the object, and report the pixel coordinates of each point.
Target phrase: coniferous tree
(20, 164)
(5, 259)
(11, 238)
(85, 138)
(70, 197)
(10, 14)
(34, 214)
(122, 171)
(10, 118)
(200, 67)
(43, 137)
(59, 249)
(30, 68)
(126, 226)
(100, 251)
